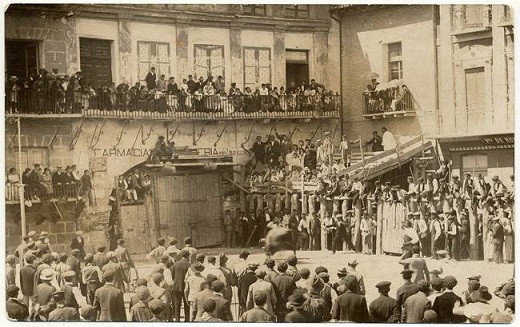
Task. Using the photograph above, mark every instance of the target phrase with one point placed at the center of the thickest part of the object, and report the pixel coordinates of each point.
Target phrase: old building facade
(248, 45)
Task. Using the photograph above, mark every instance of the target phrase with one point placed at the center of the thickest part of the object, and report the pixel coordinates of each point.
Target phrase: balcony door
(296, 67)
(21, 58)
(475, 95)
(96, 61)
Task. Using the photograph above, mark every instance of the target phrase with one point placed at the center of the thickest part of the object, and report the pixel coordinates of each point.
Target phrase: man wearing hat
(418, 265)
(359, 277)
(180, 269)
(42, 245)
(213, 269)
(350, 306)
(407, 289)
(298, 314)
(453, 236)
(498, 188)
(284, 286)
(63, 312)
(410, 240)
(270, 272)
(156, 307)
(258, 313)
(100, 257)
(194, 283)
(473, 286)
(15, 309)
(140, 311)
(119, 278)
(445, 304)
(342, 273)
(78, 242)
(384, 308)
(417, 304)
(201, 297)
(509, 237)
(43, 294)
(223, 307)
(244, 282)
(109, 301)
(45, 264)
(191, 250)
(92, 277)
(315, 304)
(241, 265)
(437, 234)
(71, 292)
(158, 251)
(261, 286)
(27, 273)
(343, 233)
(123, 257)
(74, 261)
(497, 238)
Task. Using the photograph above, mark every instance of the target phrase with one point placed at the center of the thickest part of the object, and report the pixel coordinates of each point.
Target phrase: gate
(189, 205)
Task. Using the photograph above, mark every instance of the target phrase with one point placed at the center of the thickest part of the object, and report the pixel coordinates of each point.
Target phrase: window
(257, 66)
(153, 54)
(95, 59)
(21, 58)
(297, 11)
(209, 60)
(258, 10)
(475, 89)
(395, 61)
(31, 156)
(475, 164)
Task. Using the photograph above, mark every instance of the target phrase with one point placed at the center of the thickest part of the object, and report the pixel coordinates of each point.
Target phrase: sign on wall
(98, 164)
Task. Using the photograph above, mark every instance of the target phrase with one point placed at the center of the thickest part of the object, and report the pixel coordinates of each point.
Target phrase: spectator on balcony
(75, 172)
(389, 142)
(150, 79)
(14, 94)
(192, 84)
(310, 158)
(87, 187)
(46, 181)
(171, 88)
(161, 84)
(12, 176)
(199, 84)
(68, 177)
(316, 87)
(258, 150)
(376, 142)
(219, 85)
(272, 152)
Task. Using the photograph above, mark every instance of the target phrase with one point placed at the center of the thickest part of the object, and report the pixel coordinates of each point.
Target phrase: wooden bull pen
(389, 216)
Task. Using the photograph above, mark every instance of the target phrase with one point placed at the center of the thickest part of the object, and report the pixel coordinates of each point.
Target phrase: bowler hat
(342, 272)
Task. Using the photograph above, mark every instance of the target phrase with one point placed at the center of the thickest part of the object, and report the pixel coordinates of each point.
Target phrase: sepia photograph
(267, 163)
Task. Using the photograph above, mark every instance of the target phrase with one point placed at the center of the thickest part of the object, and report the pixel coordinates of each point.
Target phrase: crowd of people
(57, 93)
(91, 287)
(391, 97)
(43, 183)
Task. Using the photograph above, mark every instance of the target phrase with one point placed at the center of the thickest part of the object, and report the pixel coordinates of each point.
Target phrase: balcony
(386, 102)
(161, 106)
(507, 17)
(470, 18)
(39, 193)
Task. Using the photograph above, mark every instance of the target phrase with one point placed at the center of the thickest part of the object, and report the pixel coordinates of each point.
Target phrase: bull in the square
(279, 239)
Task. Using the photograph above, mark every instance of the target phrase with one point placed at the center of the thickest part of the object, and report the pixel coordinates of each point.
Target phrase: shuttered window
(96, 63)
(153, 54)
(475, 89)
(257, 67)
(209, 60)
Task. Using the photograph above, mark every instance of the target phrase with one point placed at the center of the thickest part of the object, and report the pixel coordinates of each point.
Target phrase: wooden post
(304, 209)
(323, 205)
(357, 216)
(485, 221)
(473, 232)
(379, 230)
(243, 204)
(362, 152)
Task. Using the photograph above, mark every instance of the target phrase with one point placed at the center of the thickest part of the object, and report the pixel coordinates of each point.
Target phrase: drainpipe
(435, 16)
(337, 19)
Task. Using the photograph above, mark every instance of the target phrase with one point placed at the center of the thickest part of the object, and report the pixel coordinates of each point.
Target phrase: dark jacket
(284, 287)
(27, 280)
(299, 315)
(384, 309)
(350, 307)
(150, 80)
(179, 270)
(405, 291)
(109, 303)
(64, 314)
(74, 265)
(16, 310)
(70, 299)
(223, 309)
(199, 300)
(244, 281)
(443, 306)
(257, 314)
(80, 245)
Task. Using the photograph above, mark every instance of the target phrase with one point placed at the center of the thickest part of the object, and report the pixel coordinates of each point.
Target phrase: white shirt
(213, 270)
(389, 142)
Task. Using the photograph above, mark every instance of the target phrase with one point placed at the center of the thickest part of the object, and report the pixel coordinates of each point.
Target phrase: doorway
(21, 58)
(296, 67)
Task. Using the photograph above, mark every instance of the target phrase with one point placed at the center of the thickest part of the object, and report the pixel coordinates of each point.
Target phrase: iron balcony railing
(41, 192)
(162, 105)
(393, 100)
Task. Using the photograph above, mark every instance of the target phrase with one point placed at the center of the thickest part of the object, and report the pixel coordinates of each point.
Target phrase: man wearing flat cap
(245, 280)
(27, 273)
(284, 286)
(191, 250)
(140, 311)
(258, 313)
(109, 301)
(180, 269)
(119, 276)
(100, 257)
(384, 308)
(63, 312)
(446, 303)
(71, 292)
(497, 238)
(43, 294)
(261, 285)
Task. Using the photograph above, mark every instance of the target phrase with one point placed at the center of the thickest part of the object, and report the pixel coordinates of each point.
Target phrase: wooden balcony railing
(467, 18)
(388, 102)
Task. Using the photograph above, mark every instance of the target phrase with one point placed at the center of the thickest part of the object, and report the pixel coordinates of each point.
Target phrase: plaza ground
(374, 268)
